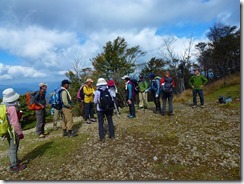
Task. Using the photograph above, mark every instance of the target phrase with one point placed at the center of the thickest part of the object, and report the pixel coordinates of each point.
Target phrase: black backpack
(168, 87)
(106, 101)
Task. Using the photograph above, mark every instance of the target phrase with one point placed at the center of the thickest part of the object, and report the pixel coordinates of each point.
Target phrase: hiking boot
(131, 116)
(41, 136)
(202, 106)
(171, 113)
(194, 106)
(88, 122)
(92, 120)
(65, 133)
(102, 140)
(17, 168)
(163, 114)
(71, 133)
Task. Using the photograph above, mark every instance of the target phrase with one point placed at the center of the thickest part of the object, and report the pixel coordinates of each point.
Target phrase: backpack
(55, 99)
(4, 124)
(105, 101)
(80, 93)
(135, 85)
(29, 99)
(167, 87)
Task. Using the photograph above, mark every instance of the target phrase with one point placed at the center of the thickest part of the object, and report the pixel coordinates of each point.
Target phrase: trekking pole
(115, 106)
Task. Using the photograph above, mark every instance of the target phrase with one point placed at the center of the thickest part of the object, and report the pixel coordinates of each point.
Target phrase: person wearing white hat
(130, 96)
(10, 99)
(40, 100)
(88, 101)
(102, 88)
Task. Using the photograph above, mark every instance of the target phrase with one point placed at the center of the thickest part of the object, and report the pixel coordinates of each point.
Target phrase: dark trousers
(157, 102)
(101, 115)
(40, 121)
(132, 108)
(89, 112)
(165, 97)
(200, 93)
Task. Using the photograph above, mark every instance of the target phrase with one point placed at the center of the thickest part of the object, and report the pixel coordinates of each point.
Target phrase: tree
(222, 52)
(155, 66)
(178, 63)
(116, 59)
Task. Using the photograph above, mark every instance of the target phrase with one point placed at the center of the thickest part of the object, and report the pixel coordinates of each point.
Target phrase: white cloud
(14, 72)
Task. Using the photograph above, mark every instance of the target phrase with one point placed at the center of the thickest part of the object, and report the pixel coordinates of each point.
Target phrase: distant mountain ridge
(23, 88)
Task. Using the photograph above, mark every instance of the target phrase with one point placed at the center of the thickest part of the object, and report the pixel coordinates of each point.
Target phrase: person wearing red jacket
(167, 84)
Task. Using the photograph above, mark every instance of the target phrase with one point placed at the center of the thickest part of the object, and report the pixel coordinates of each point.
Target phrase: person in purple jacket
(101, 113)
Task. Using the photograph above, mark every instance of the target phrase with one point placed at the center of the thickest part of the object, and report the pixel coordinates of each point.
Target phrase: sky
(41, 39)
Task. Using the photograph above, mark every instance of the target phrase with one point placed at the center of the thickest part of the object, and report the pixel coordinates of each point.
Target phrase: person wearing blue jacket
(130, 97)
(154, 88)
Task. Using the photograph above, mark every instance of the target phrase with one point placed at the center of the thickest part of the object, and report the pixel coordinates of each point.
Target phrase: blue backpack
(55, 99)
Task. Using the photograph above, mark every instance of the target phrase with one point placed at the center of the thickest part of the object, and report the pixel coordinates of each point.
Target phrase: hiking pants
(13, 149)
(142, 99)
(89, 112)
(67, 119)
(200, 93)
(132, 108)
(40, 121)
(166, 97)
(157, 102)
(56, 116)
(101, 116)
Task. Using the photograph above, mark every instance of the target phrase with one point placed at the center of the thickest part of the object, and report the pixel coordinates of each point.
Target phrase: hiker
(88, 101)
(101, 113)
(67, 124)
(143, 85)
(80, 97)
(57, 113)
(114, 91)
(130, 96)
(197, 81)
(154, 88)
(167, 84)
(40, 100)
(10, 99)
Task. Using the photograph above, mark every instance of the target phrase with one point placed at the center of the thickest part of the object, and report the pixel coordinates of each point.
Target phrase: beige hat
(101, 82)
(9, 95)
(42, 84)
(89, 80)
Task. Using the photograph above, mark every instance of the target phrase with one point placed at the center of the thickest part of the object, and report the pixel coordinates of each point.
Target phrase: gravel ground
(202, 141)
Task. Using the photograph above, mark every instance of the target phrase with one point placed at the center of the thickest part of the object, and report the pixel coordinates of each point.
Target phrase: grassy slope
(194, 144)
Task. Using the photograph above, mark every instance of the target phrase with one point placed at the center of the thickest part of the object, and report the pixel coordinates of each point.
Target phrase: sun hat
(89, 80)
(101, 82)
(65, 81)
(125, 77)
(42, 84)
(9, 95)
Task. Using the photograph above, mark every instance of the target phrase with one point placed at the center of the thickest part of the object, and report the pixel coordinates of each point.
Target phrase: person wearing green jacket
(197, 81)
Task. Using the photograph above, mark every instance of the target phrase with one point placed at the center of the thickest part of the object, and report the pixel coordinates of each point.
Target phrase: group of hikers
(104, 96)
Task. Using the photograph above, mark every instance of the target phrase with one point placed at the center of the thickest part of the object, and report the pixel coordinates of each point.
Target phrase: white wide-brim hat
(9, 95)
(101, 82)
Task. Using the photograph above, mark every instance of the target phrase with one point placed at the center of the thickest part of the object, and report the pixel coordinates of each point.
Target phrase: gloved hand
(156, 95)
(21, 136)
